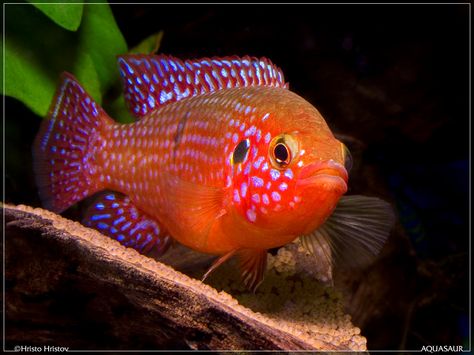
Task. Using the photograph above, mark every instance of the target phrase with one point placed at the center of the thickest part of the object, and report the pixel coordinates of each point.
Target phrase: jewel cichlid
(223, 158)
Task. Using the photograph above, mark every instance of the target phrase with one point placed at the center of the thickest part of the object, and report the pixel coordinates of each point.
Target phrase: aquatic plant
(44, 40)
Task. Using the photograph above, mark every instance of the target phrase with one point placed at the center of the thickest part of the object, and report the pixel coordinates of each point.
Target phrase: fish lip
(329, 170)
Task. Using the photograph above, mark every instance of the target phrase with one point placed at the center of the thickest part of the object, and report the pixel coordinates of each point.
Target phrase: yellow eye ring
(282, 150)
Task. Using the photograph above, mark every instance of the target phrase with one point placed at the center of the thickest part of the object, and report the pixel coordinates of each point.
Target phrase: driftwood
(69, 286)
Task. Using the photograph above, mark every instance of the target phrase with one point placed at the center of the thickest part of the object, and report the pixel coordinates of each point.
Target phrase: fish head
(295, 175)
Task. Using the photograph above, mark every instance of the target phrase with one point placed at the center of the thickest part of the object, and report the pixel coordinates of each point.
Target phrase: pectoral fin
(355, 232)
(197, 206)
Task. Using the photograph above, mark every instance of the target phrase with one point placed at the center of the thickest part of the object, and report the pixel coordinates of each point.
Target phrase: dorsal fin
(151, 81)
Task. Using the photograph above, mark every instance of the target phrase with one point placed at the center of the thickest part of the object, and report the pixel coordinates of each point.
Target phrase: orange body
(176, 165)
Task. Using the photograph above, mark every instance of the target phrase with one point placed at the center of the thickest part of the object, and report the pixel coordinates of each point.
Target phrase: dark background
(393, 82)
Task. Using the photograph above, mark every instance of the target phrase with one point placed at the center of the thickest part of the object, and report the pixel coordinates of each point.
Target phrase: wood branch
(67, 285)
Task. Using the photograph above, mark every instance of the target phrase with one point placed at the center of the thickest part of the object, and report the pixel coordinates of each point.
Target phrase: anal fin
(115, 216)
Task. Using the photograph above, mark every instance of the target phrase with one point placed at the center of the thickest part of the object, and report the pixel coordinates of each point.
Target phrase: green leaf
(100, 37)
(37, 51)
(149, 45)
(67, 15)
(26, 81)
(87, 75)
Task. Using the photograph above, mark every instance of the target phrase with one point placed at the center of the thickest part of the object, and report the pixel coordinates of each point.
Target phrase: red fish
(224, 159)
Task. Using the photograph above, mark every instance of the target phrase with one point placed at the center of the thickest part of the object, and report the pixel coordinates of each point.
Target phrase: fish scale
(223, 158)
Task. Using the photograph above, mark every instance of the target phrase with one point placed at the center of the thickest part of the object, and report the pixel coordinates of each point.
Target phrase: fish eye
(282, 150)
(347, 157)
(241, 152)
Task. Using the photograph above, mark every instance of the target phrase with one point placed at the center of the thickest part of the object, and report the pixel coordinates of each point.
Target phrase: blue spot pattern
(173, 79)
(61, 151)
(114, 215)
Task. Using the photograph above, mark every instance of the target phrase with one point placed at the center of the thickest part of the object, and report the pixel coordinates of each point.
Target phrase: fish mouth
(328, 173)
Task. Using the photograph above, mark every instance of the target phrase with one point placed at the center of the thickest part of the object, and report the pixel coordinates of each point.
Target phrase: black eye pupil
(281, 153)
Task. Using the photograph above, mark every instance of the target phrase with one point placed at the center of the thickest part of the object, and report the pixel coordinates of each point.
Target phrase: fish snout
(327, 172)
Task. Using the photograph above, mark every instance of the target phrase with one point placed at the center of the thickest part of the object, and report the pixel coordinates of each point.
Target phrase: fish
(223, 158)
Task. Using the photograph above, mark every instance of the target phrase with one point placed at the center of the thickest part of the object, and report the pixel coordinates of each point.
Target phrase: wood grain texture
(67, 285)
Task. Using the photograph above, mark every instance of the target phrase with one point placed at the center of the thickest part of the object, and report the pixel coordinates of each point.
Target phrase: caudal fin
(64, 148)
